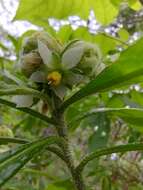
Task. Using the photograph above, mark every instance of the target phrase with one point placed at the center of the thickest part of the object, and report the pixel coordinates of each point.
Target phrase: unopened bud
(48, 40)
(30, 63)
(29, 45)
(91, 59)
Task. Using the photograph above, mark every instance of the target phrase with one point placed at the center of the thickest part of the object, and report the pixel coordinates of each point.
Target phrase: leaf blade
(10, 166)
(28, 111)
(131, 115)
(39, 11)
(107, 151)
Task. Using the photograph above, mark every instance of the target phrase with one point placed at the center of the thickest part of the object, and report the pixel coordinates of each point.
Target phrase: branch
(28, 110)
(107, 151)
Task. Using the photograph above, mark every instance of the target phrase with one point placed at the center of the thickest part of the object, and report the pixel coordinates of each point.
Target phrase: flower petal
(23, 100)
(74, 78)
(60, 91)
(72, 57)
(37, 76)
(45, 53)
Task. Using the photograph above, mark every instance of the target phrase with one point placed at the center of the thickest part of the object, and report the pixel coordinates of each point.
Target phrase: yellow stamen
(54, 78)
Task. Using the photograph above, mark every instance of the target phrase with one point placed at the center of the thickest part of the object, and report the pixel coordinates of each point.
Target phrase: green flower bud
(91, 59)
(29, 45)
(30, 63)
(48, 40)
(31, 59)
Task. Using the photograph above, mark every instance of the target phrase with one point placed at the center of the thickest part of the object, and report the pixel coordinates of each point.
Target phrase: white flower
(57, 66)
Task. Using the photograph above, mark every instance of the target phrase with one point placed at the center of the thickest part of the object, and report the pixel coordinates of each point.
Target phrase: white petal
(99, 67)
(37, 76)
(73, 78)
(45, 53)
(72, 57)
(23, 100)
(60, 91)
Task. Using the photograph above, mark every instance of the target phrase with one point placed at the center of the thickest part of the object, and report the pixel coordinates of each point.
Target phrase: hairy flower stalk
(62, 131)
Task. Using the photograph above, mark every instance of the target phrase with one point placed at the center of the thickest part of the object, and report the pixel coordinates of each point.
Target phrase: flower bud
(30, 63)
(29, 45)
(48, 40)
(91, 59)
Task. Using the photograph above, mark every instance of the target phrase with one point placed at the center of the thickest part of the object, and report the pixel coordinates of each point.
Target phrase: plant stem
(62, 131)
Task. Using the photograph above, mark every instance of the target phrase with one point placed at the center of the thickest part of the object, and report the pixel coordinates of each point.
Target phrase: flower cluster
(46, 60)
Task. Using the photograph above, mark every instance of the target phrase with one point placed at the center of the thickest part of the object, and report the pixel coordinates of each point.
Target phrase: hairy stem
(63, 132)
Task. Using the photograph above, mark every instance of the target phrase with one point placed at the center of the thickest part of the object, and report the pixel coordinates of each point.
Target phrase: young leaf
(6, 140)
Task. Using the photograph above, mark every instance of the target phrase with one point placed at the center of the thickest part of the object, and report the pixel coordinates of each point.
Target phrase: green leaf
(12, 164)
(28, 111)
(126, 70)
(131, 115)
(38, 12)
(134, 4)
(11, 77)
(61, 185)
(53, 187)
(99, 138)
(6, 140)
(3, 47)
(106, 183)
(107, 151)
(10, 153)
(16, 90)
(105, 12)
